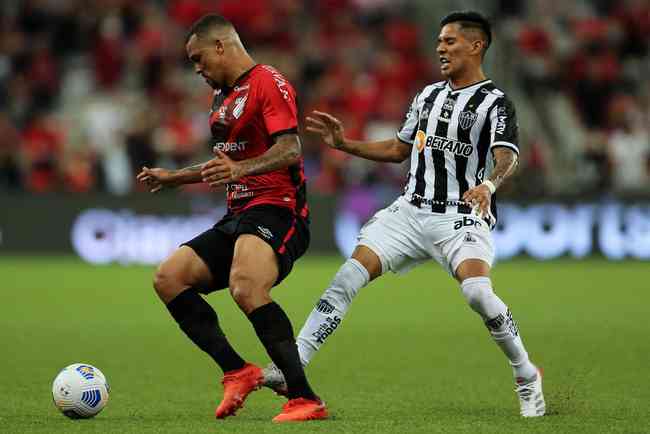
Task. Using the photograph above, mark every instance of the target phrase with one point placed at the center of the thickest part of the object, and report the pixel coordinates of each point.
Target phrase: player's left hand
(221, 170)
(479, 198)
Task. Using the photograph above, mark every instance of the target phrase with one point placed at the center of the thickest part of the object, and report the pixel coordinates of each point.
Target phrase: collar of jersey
(227, 89)
(471, 86)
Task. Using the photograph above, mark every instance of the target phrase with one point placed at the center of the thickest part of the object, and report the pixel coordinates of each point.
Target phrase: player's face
(207, 60)
(454, 50)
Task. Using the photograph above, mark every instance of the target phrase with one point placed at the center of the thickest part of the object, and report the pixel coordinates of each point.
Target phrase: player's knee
(247, 293)
(165, 283)
(241, 288)
(477, 290)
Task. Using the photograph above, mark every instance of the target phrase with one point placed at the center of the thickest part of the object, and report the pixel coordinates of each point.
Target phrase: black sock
(274, 330)
(200, 323)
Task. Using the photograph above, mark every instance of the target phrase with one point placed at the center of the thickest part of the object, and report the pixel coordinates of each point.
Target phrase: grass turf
(410, 356)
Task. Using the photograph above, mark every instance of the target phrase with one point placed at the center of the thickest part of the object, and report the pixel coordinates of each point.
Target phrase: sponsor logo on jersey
(448, 104)
(443, 144)
(467, 119)
(467, 221)
(230, 146)
(265, 232)
(502, 118)
(222, 112)
(420, 139)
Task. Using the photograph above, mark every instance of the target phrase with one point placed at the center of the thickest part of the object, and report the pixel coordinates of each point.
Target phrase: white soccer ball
(80, 391)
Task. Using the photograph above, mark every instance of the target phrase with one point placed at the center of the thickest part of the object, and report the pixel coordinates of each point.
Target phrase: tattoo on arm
(195, 168)
(188, 175)
(284, 153)
(505, 163)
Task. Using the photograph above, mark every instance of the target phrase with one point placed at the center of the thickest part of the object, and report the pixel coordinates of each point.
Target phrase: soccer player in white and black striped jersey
(448, 206)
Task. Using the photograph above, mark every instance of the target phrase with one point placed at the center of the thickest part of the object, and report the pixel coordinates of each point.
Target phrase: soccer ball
(80, 391)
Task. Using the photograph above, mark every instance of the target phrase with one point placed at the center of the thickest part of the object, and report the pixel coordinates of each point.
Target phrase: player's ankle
(524, 370)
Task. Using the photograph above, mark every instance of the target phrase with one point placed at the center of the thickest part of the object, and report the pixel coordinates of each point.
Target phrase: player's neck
(244, 64)
(466, 79)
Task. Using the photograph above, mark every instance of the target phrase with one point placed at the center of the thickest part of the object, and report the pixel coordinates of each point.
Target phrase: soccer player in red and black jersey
(258, 159)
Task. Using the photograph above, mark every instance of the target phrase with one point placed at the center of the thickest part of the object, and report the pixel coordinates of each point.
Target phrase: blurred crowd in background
(92, 90)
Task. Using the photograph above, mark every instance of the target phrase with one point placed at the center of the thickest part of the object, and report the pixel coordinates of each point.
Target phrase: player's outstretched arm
(505, 163)
(331, 131)
(222, 170)
(156, 179)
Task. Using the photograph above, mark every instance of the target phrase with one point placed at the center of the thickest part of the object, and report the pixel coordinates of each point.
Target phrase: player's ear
(477, 46)
(218, 46)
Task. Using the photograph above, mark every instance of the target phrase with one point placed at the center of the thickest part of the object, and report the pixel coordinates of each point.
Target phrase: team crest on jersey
(420, 140)
(467, 119)
(240, 103)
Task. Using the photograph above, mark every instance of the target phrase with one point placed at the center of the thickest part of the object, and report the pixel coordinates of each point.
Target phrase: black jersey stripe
(467, 117)
(298, 180)
(483, 145)
(439, 170)
(425, 114)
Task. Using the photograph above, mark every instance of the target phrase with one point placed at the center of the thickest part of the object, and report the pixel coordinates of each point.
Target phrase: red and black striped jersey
(244, 121)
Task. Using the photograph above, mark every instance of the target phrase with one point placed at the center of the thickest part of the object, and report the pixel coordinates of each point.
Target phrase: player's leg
(363, 267)
(473, 275)
(177, 282)
(386, 242)
(474, 278)
(254, 272)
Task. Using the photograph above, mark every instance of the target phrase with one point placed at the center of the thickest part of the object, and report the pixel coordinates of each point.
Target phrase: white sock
(498, 319)
(331, 308)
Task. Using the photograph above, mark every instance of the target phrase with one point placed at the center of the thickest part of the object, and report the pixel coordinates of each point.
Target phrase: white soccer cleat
(531, 397)
(274, 379)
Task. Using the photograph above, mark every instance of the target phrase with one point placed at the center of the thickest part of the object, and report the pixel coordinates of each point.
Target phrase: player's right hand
(329, 128)
(155, 179)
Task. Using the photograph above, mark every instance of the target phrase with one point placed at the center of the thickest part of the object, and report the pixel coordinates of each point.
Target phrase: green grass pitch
(410, 357)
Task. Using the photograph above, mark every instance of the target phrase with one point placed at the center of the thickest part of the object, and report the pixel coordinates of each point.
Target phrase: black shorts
(285, 232)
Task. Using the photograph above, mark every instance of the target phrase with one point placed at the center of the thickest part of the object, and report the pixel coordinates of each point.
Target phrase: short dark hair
(470, 20)
(205, 24)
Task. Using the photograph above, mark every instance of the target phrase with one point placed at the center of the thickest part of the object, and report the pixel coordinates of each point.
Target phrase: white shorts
(403, 236)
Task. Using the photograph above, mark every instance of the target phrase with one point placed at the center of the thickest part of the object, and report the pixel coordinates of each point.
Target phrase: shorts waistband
(440, 206)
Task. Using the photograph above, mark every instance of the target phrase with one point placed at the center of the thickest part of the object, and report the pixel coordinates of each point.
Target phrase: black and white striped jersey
(451, 132)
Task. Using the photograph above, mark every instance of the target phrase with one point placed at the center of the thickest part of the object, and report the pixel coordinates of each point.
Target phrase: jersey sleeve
(505, 129)
(278, 102)
(407, 131)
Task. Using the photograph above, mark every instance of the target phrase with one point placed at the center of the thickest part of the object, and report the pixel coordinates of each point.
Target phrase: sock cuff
(185, 303)
(361, 269)
(471, 281)
(270, 321)
(264, 313)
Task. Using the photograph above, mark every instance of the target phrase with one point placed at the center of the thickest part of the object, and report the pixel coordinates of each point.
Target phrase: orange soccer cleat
(237, 385)
(301, 409)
